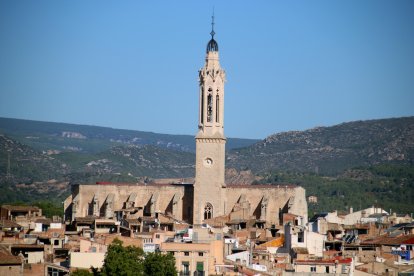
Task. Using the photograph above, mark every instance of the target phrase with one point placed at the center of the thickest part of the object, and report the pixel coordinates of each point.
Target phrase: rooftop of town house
(20, 208)
(7, 258)
(9, 224)
(278, 242)
(387, 240)
(336, 260)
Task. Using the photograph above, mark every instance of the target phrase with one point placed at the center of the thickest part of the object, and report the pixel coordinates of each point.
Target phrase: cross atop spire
(212, 25)
(212, 45)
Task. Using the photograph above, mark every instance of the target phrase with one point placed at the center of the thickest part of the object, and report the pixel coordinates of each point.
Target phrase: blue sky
(291, 65)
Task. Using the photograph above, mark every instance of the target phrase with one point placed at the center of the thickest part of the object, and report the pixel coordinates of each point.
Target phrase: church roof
(262, 186)
(212, 45)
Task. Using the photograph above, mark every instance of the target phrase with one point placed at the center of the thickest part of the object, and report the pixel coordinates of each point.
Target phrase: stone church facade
(208, 197)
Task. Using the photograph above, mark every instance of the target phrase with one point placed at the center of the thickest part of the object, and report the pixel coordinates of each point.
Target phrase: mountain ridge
(360, 161)
(53, 134)
(329, 150)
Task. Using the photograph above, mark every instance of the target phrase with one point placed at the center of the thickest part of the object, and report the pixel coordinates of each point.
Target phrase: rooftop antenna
(212, 25)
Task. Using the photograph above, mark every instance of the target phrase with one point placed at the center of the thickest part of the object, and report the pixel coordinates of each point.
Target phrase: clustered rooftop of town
(357, 242)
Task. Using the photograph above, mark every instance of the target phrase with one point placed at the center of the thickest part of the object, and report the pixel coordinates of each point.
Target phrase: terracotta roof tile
(9, 224)
(7, 258)
(387, 240)
(327, 261)
(20, 208)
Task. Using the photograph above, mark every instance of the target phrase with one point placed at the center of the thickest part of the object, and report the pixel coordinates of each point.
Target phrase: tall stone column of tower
(209, 187)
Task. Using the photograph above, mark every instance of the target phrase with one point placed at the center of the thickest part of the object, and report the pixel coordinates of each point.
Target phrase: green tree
(157, 264)
(81, 272)
(123, 261)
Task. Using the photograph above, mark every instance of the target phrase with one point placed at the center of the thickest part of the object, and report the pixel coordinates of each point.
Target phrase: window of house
(56, 242)
(186, 253)
(344, 269)
(301, 237)
(200, 267)
(157, 236)
(327, 269)
(313, 268)
(185, 268)
(201, 254)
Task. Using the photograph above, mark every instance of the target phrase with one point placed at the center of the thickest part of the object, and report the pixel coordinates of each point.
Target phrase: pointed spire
(212, 26)
(212, 45)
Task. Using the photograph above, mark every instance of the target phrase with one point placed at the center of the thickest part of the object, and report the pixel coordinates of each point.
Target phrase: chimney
(351, 210)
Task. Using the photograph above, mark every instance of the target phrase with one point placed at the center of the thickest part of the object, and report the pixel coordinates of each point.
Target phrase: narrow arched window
(217, 108)
(209, 107)
(208, 211)
(202, 106)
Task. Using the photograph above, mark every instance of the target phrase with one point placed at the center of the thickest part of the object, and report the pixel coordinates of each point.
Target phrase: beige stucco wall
(314, 243)
(86, 246)
(35, 257)
(7, 270)
(212, 254)
(355, 217)
(86, 260)
(321, 268)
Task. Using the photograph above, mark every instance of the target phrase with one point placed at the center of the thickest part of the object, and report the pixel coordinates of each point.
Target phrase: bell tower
(209, 186)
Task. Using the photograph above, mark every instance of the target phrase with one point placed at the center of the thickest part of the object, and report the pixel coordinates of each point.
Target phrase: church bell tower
(209, 186)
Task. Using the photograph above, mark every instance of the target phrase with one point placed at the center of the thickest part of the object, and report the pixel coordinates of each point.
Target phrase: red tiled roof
(28, 246)
(386, 240)
(7, 258)
(9, 224)
(328, 261)
(20, 208)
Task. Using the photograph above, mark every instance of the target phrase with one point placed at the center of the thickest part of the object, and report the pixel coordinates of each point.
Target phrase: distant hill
(352, 164)
(133, 162)
(356, 164)
(46, 136)
(23, 168)
(27, 174)
(330, 150)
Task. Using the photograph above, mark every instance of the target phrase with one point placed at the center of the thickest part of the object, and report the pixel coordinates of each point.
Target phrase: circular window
(208, 162)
